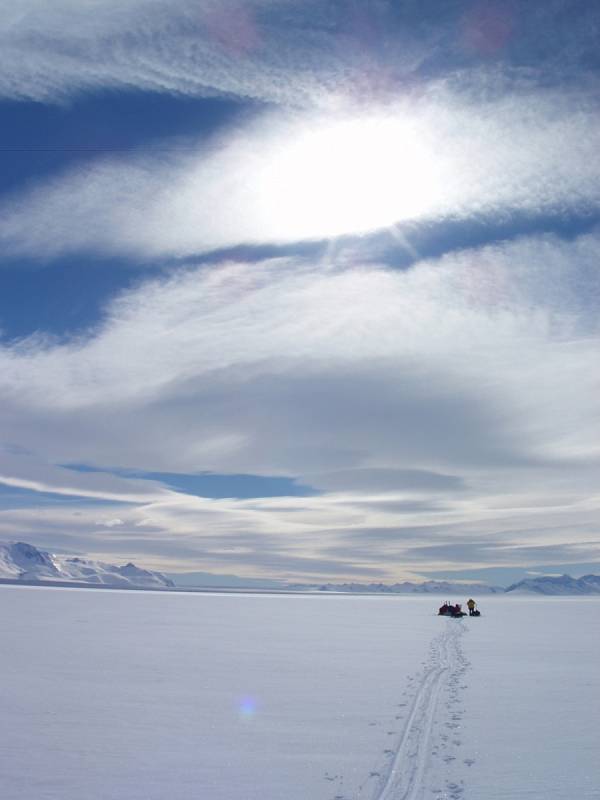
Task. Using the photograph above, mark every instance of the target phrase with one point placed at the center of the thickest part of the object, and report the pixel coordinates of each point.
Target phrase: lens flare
(247, 707)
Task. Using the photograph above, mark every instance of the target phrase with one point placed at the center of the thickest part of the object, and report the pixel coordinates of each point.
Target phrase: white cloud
(34, 474)
(278, 50)
(276, 179)
(449, 411)
(371, 383)
(190, 46)
(491, 309)
(318, 538)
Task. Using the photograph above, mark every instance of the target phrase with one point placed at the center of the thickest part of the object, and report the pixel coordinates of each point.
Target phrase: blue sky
(303, 291)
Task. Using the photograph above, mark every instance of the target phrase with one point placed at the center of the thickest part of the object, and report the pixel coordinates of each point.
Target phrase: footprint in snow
(469, 762)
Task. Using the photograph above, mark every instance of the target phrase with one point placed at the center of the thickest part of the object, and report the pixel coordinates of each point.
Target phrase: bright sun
(349, 176)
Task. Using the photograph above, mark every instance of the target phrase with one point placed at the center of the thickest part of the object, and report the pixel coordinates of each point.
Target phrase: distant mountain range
(557, 585)
(428, 587)
(25, 563)
(542, 585)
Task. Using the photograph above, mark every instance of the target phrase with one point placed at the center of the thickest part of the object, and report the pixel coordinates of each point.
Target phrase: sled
(452, 613)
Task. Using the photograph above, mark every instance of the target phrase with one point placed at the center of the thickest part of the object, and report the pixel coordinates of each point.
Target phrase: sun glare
(349, 176)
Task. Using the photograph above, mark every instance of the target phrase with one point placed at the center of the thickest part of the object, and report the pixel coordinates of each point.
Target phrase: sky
(302, 290)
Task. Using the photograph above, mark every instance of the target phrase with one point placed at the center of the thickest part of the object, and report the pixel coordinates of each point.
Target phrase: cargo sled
(449, 610)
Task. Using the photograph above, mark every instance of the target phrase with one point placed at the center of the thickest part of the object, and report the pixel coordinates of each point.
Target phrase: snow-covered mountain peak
(22, 561)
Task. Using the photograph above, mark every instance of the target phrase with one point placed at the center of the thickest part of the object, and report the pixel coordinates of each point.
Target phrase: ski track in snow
(422, 763)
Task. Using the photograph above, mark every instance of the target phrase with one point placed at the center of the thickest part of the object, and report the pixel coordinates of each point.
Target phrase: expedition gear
(449, 610)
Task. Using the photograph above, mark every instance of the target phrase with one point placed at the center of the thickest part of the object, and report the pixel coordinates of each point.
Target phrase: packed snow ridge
(24, 562)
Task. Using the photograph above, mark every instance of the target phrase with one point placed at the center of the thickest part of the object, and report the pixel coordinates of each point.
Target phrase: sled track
(404, 777)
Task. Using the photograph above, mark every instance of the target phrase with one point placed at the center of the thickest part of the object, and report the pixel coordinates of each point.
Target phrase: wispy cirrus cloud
(281, 51)
(31, 473)
(327, 538)
(446, 409)
(283, 178)
(276, 51)
(459, 392)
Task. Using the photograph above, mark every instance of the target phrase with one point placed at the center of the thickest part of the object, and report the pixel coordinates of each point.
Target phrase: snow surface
(146, 696)
(22, 561)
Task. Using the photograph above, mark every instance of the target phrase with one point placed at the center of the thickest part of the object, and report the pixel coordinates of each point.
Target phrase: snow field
(147, 695)
(277, 697)
(532, 709)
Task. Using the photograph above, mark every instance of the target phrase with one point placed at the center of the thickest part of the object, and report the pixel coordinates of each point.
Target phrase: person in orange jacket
(471, 606)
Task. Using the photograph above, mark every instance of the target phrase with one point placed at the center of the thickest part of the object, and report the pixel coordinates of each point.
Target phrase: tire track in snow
(404, 779)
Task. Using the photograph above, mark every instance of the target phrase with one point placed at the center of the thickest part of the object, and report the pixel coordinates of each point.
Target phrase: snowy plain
(115, 695)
